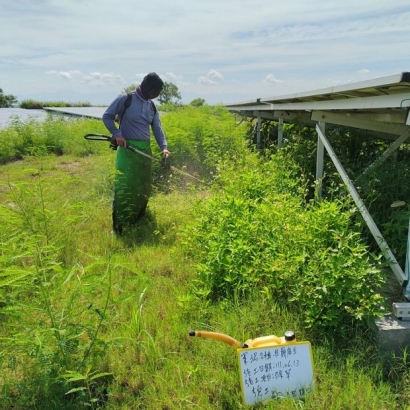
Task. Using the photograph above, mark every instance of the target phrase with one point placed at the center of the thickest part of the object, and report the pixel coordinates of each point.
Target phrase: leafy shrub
(10, 140)
(259, 234)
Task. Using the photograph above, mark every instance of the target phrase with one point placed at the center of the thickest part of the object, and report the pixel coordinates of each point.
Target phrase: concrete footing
(393, 334)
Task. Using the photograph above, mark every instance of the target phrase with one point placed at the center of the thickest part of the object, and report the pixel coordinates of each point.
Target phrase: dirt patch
(69, 166)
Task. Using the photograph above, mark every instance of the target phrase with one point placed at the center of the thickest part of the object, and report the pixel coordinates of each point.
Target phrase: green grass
(91, 320)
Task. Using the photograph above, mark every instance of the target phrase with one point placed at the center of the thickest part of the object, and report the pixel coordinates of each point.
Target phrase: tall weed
(50, 336)
(198, 136)
(53, 135)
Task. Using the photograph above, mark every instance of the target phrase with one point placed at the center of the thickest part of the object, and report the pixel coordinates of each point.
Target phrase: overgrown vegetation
(380, 186)
(266, 237)
(54, 136)
(90, 320)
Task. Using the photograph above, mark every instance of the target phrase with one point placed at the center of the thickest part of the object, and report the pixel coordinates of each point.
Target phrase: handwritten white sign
(277, 371)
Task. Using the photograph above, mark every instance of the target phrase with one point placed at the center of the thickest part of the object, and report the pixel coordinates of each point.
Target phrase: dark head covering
(151, 86)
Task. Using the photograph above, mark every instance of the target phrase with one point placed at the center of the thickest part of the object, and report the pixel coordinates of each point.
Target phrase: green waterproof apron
(132, 184)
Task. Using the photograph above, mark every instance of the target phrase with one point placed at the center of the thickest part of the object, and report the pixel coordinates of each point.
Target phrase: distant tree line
(7, 101)
(169, 97)
(39, 105)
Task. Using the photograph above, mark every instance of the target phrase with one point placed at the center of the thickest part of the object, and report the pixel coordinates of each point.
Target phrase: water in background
(7, 114)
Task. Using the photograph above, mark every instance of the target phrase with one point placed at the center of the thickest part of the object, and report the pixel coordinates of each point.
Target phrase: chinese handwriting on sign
(277, 371)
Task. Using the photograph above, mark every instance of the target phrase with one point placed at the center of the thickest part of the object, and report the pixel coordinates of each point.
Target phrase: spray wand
(164, 163)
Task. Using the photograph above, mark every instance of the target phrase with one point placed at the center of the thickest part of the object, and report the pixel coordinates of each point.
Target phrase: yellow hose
(218, 336)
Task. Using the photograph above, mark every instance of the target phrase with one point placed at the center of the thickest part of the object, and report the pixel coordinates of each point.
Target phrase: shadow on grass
(144, 232)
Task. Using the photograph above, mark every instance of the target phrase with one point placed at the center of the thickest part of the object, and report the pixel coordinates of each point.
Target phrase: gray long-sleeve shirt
(136, 120)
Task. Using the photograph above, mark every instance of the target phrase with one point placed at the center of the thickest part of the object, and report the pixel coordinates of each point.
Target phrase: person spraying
(136, 113)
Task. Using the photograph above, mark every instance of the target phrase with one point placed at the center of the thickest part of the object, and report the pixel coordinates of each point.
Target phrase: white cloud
(178, 80)
(97, 78)
(270, 78)
(69, 75)
(215, 75)
(210, 77)
(363, 71)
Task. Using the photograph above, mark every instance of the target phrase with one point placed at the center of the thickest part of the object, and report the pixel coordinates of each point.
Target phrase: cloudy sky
(224, 51)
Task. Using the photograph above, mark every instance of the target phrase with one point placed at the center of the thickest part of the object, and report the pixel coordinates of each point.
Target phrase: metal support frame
(384, 247)
(319, 161)
(258, 132)
(393, 147)
(407, 267)
(280, 132)
(392, 124)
